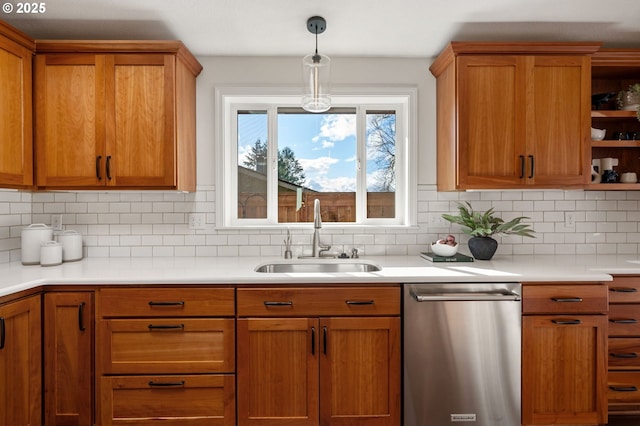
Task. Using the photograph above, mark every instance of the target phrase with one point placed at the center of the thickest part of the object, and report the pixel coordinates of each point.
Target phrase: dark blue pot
(483, 248)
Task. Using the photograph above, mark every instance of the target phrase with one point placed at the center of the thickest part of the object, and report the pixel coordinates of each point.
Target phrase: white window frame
(228, 100)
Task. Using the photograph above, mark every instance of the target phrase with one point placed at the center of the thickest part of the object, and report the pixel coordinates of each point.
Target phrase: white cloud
(337, 127)
(318, 165)
(328, 144)
(340, 184)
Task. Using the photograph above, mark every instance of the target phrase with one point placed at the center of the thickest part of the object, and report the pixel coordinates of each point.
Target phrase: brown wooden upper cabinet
(16, 134)
(115, 114)
(513, 115)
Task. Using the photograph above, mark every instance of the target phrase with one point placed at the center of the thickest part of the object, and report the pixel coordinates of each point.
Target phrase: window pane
(381, 164)
(252, 164)
(316, 159)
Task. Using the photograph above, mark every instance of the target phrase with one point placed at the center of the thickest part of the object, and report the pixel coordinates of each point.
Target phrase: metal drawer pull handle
(567, 322)
(108, 167)
(623, 289)
(324, 340)
(521, 166)
(287, 303)
(2, 333)
(166, 327)
(629, 355)
(624, 321)
(360, 302)
(166, 384)
(623, 388)
(313, 340)
(567, 299)
(152, 303)
(98, 159)
(81, 317)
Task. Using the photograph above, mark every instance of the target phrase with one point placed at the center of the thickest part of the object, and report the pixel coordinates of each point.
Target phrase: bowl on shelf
(442, 249)
(598, 134)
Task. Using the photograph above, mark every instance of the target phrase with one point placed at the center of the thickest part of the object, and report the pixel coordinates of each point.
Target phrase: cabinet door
(69, 116)
(564, 370)
(141, 140)
(20, 363)
(277, 371)
(360, 371)
(16, 134)
(68, 358)
(558, 115)
(491, 107)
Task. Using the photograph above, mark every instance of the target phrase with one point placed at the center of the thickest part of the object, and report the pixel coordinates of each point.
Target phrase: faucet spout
(317, 248)
(317, 218)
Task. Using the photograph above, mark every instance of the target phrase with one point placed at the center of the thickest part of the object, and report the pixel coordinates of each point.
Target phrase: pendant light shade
(316, 73)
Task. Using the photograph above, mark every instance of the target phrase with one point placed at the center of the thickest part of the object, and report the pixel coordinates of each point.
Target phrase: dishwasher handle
(502, 296)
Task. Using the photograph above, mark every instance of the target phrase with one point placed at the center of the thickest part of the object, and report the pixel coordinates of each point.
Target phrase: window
(355, 158)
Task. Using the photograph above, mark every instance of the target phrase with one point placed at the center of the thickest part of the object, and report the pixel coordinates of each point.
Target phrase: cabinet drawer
(624, 320)
(564, 299)
(319, 301)
(624, 353)
(166, 302)
(167, 346)
(624, 290)
(207, 400)
(623, 387)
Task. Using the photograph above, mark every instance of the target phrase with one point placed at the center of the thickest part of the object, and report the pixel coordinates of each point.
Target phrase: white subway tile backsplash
(154, 223)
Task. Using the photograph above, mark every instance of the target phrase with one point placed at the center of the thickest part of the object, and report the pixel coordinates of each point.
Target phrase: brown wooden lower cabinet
(318, 370)
(20, 363)
(564, 366)
(68, 358)
(169, 400)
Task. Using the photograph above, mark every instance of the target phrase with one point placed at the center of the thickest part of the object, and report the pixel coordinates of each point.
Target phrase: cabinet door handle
(275, 303)
(81, 316)
(324, 340)
(2, 333)
(624, 321)
(522, 166)
(108, 167)
(566, 299)
(532, 163)
(623, 289)
(623, 388)
(629, 355)
(166, 384)
(360, 302)
(313, 340)
(98, 161)
(152, 303)
(166, 326)
(566, 321)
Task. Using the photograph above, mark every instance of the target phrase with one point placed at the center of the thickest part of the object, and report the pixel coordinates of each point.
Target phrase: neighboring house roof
(257, 176)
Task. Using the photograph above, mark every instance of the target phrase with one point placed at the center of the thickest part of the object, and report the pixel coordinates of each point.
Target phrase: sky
(324, 144)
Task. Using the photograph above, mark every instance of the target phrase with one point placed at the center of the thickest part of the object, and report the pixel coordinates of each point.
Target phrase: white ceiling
(391, 28)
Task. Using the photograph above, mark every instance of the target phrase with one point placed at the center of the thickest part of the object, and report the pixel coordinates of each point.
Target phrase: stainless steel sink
(335, 266)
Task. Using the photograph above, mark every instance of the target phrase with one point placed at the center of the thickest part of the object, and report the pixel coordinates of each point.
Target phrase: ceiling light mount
(316, 72)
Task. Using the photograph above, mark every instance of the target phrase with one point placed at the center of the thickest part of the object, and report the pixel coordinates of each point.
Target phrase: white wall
(286, 71)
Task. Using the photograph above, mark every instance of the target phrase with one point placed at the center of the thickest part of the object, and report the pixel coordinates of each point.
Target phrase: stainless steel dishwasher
(462, 352)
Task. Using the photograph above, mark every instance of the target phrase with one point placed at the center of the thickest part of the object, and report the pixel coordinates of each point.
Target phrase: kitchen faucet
(317, 247)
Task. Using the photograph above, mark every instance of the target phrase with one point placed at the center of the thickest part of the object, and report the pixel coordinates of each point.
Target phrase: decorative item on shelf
(629, 100)
(316, 73)
(596, 177)
(482, 225)
(598, 134)
(445, 246)
(609, 175)
(600, 100)
(629, 177)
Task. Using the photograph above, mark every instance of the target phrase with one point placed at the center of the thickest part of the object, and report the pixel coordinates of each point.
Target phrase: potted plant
(629, 100)
(482, 225)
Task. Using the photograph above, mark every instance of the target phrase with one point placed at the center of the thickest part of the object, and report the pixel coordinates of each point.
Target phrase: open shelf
(613, 114)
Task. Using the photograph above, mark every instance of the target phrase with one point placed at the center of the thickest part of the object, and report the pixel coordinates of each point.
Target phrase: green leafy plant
(486, 224)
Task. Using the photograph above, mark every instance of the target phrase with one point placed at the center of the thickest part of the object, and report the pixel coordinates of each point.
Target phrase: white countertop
(240, 270)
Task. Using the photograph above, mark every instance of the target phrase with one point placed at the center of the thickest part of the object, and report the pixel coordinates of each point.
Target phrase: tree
(289, 168)
(257, 157)
(381, 149)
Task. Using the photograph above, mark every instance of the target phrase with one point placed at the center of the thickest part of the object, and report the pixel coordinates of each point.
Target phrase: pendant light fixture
(316, 72)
